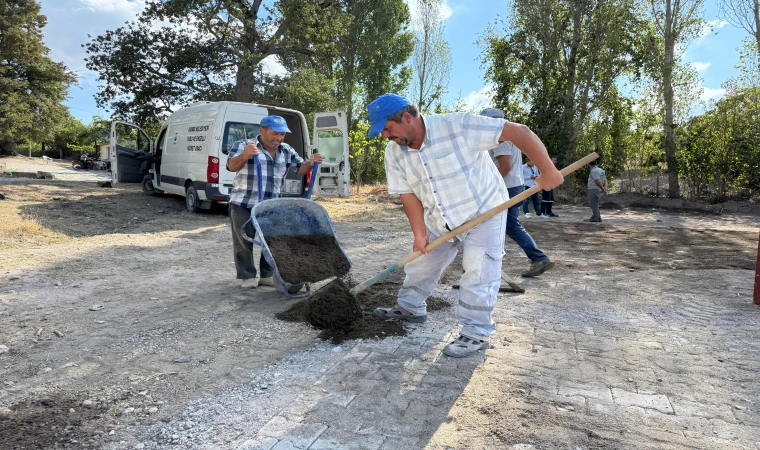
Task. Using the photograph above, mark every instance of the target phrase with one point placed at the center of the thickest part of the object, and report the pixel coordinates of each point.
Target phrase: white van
(189, 157)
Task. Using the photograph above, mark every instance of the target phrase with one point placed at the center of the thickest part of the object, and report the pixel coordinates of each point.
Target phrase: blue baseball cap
(381, 108)
(492, 112)
(275, 123)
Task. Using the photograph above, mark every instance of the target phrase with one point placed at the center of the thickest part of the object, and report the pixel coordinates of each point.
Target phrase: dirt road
(123, 327)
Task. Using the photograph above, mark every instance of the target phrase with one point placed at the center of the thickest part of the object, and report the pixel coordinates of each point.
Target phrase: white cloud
(478, 100)
(700, 66)
(127, 7)
(272, 66)
(414, 11)
(709, 27)
(710, 94)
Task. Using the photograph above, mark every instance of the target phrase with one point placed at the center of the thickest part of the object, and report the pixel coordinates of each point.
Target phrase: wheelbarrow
(289, 217)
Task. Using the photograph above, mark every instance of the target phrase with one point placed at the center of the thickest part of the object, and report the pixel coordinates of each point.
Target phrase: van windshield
(237, 131)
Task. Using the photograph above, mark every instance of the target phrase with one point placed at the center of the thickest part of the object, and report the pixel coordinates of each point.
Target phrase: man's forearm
(415, 213)
(528, 143)
(306, 167)
(237, 163)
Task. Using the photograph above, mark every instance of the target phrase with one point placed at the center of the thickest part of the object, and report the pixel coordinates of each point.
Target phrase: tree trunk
(667, 81)
(569, 103)
(244, 80)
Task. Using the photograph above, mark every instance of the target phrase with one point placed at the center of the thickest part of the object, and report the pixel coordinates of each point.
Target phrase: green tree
(676, 23)
(643, 152)
(431, 58)
(558, 62)
(68, 135)
(367, 156)
(743, 14)
(98, 132)
(210, 50)
(371, 53)
(32, 86)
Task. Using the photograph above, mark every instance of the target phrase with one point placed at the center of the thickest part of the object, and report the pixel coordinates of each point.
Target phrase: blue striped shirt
(245, 187)
(452, 173)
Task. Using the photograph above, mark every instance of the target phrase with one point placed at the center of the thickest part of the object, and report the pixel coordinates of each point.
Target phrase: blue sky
(70, 21)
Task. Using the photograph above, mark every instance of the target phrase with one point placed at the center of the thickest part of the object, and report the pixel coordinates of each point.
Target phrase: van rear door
(331, 141)
(131, 153)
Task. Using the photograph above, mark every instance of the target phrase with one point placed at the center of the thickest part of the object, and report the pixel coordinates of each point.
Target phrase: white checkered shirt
(452, 173)
(245, 187)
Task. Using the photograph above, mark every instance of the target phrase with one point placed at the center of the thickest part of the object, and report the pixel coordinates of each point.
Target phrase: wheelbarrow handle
(472, 223)
(258, 176)
(313, 177)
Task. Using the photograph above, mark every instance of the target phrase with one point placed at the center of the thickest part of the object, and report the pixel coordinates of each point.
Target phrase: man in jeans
(597, 184)
(276, 157)
(439, 167)
(508, 160)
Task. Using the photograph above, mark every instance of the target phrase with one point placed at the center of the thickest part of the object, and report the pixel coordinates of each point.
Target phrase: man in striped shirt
(440, 168)
(276, 158)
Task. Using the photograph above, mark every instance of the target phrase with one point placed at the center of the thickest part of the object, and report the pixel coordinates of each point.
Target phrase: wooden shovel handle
(472, 223)
(496, 210)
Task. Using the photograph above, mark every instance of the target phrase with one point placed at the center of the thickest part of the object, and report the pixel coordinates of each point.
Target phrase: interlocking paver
(657, 402)
(600, 393)
(336, 439)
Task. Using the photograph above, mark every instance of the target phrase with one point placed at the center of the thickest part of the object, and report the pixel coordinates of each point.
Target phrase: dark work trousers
(242, 249)
(532, 199)
(547, 201)
(594, 195)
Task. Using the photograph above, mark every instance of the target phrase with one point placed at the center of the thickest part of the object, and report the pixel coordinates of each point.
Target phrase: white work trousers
(482, 251)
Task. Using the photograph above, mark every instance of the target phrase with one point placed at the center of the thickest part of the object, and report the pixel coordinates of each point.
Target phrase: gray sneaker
(464, 347)
(399, 313)
(269, 281)
(537, 268)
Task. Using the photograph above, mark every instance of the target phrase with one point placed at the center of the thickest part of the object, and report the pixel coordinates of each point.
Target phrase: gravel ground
(643, 336)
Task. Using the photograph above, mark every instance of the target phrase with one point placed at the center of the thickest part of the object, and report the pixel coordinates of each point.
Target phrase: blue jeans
(533, 198)
(517, 233)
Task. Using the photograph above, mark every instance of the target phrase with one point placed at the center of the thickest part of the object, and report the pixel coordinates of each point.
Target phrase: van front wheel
(191, 199)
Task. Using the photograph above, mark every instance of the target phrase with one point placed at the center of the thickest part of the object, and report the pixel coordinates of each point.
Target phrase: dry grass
(38, 213)
(371, 202)
(19, 230)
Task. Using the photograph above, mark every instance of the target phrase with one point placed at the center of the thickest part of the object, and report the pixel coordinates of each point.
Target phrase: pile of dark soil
(329, 308)
(308, 258)
(45, 423)
(332, 307)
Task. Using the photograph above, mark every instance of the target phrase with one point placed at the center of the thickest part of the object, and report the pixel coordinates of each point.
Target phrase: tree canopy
(180, 51)
(32, 86)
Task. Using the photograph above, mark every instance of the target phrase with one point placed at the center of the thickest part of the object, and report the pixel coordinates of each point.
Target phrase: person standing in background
(508, 160)
(530, 173)
(597, 184)
(547, 199)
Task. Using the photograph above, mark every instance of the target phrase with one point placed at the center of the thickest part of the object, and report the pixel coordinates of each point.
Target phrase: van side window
(237, 131)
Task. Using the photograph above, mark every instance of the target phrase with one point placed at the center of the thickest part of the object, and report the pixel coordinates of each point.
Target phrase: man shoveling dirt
(439, 167)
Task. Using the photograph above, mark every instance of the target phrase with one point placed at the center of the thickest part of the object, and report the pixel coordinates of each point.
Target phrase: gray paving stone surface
(572, 365)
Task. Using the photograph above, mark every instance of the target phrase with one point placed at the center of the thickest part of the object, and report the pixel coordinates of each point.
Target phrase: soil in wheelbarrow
(308, 258)
(342, 317)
